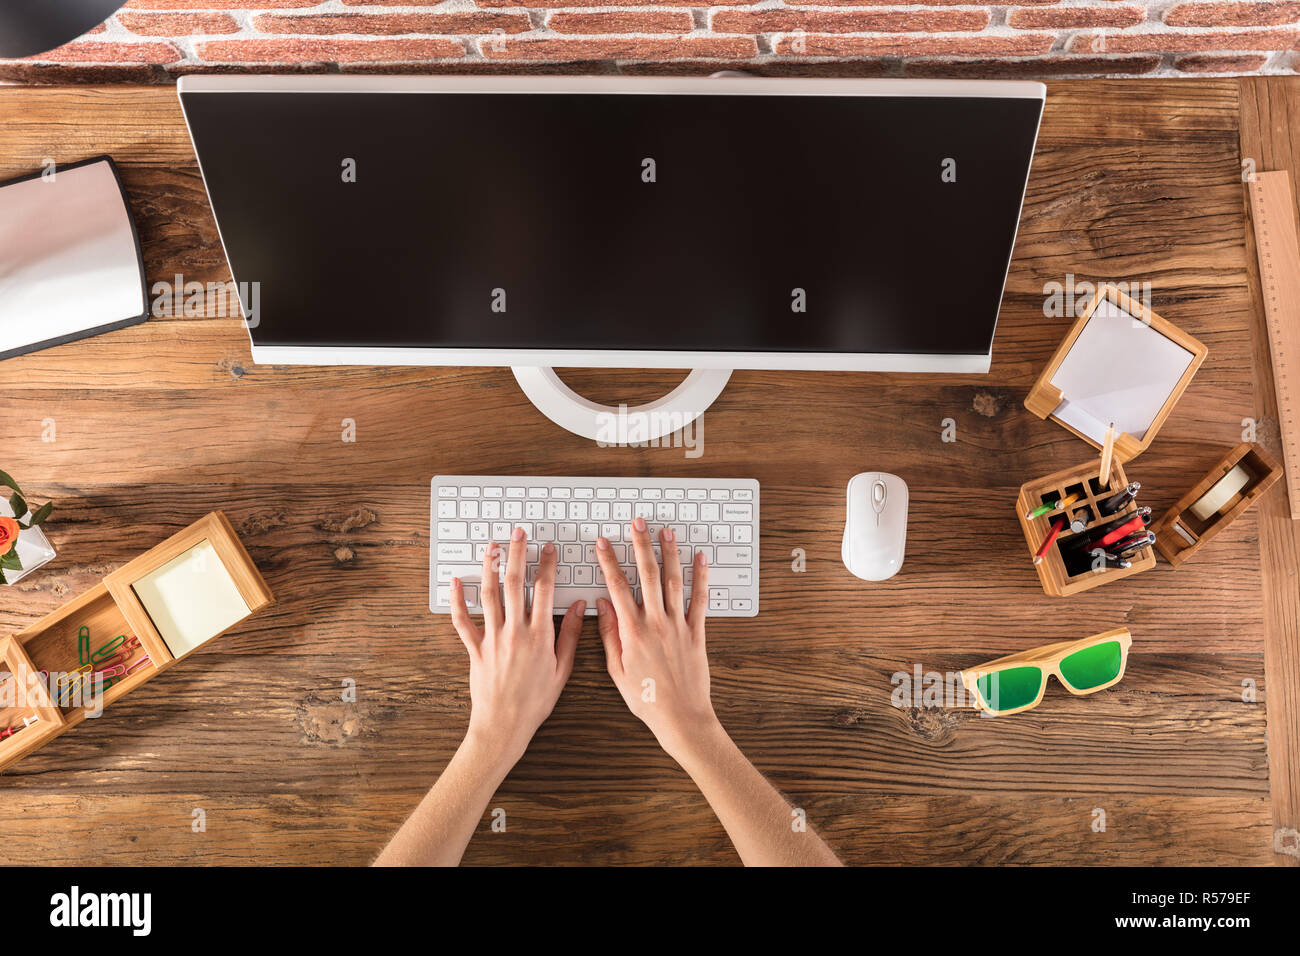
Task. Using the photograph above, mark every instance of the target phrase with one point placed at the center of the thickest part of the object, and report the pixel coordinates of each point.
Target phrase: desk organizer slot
(1061, 576)
(109, 609)
(1260, 471)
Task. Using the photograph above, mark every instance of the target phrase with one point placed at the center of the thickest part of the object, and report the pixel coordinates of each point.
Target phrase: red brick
(1209, 63)
(328, 51)
(218, 4)
(552, 4)
(481, 68)
(626, 21)
(329, 24)
(1071, 17)
(928, 3)
(1028, 44)
(38, 74)
(1236, 14)
(1172, 42)
(177, 24)
(1043, 66)
(92, 51)
(631, 48)
(847, 21)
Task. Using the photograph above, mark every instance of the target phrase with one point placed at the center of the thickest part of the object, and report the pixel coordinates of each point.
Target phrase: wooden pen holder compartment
(43, 706)
(1180, 532)
(1059, 575)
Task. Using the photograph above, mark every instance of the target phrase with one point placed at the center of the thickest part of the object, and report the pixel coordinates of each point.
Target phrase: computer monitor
(711, 223)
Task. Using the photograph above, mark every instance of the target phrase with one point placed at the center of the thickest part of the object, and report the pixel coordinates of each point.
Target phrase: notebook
(70, 262)
(1118, 370)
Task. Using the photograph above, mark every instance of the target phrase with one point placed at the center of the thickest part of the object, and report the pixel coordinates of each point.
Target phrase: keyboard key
(742, 494)
(454, 552)
(731, 577)
(468, 509)
(675, 494)
(501, 531)
(563, 494)
(446, 491)
(735, 512)
(651, 494)
(644, 509)
(720, 494)
(699, 533)
(545, 531)
(536, 492)
(515, 492)
(479, 531)
(490, 509)
(578, 510)
(556, 511)
(718, 604)
(600, 511)
(611, 531)
(688, 512)
(470, 491)
(566, 532)
(446, 509)
(622, 511)
(466, 572)
(720, 533)
(667, 511)
(742, 534)
(742, 604)
(584, 574)
(453, 530)
(571, 554)
(534, 510)
(707, 551)
(606, 493)
(710, 512)
(696, 494)
(492, 492)
(731, 555)
(627, 494)
(585, 493)
(562, 574)
(588, 531)
(513, 510)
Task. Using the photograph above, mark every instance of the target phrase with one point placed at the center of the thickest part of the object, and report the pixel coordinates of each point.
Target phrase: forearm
(437, 833)
(760, 822)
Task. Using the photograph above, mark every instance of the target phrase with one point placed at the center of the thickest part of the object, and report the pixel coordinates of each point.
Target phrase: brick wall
(155, 40)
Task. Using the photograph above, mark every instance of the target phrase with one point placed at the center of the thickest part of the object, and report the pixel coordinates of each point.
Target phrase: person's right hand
(655, 650)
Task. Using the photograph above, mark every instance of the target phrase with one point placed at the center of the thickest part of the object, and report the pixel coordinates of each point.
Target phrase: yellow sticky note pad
(191, 599)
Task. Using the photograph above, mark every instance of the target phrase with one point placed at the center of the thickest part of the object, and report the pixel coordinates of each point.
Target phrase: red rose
(8, 534)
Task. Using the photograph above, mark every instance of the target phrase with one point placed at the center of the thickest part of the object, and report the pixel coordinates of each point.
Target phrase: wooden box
(1045, 398)
(1180, 533)
(37, 659)
(1058, 577)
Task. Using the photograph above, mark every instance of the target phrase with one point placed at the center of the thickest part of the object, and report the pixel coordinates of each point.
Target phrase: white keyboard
(713, 515)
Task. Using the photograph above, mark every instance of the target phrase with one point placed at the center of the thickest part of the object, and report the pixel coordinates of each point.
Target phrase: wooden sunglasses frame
(1048, 659)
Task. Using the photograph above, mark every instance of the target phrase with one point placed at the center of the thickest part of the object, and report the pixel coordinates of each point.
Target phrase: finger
(607, 625)
(544, 589)
(699, 595)
(620, 591)
(460, 619)
(652, 598)
(566, 645)
(516, 569)
(672, 574)
(491, 589)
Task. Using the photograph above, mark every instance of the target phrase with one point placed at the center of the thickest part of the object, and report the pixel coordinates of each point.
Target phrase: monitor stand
(621, 425)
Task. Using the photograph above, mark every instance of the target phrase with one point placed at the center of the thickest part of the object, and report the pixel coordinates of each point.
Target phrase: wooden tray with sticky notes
(1217, 500)
(173, 599)
(1120, 364)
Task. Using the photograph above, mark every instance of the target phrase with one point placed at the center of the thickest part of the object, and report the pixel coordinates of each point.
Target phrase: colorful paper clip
(83, 644)
(108, 649)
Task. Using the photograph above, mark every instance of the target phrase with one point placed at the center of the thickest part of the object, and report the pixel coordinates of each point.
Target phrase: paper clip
(107, 649)
(68, 682)
(83, 645)
(144, 660)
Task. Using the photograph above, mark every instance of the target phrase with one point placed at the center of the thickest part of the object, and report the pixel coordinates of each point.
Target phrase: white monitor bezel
(614, 85)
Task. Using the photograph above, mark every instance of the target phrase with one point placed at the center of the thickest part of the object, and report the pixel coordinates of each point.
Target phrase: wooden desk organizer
(1263, 472)
(1044, 398)
(1057, 579)
(110, 608)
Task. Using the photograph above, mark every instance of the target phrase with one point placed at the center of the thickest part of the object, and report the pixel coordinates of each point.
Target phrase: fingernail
(601, 605)
(581, 608)
(639, 524)
(602, 543)
(548, 548)
(518, 534)
(455, 584)
(700, 558)
(668, 534)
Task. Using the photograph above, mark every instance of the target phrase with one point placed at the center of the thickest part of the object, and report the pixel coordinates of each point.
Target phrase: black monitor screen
(679, 222)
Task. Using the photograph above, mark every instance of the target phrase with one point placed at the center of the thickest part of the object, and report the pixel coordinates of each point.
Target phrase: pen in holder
(1051, 508)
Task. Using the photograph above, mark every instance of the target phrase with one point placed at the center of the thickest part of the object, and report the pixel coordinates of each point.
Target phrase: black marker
(1117, 500)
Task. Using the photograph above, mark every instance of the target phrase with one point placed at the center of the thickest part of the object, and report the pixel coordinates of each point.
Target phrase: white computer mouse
(875, 528)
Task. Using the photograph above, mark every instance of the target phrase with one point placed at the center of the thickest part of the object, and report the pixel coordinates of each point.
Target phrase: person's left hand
(517, 667)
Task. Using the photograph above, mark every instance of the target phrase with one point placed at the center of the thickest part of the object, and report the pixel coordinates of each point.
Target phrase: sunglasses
(1011, 684)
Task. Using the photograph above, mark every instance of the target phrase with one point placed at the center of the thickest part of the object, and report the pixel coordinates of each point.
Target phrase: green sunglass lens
(1093, 666)
(1010, 688)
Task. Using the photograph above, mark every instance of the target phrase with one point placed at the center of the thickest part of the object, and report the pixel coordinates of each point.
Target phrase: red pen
(1057, 527)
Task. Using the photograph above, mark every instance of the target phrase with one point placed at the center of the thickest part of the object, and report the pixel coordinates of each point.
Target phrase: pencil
(1057, 525)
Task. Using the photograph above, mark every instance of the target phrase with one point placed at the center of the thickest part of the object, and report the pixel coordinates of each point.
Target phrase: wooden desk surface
(158, 424)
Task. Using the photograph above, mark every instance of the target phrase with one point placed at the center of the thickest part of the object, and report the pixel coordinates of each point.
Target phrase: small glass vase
(34, 549)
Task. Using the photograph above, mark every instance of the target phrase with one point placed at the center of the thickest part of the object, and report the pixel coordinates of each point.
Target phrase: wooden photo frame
(1045, 399)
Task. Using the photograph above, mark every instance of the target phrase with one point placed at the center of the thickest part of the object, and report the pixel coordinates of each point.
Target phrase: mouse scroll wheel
(878, 492)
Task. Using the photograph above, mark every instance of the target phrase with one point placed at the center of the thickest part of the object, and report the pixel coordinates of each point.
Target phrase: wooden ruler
(1278, 249)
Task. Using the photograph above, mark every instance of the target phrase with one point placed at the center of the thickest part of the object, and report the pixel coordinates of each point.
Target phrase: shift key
(731, 577)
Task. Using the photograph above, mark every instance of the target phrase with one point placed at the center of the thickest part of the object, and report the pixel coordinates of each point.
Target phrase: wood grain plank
(1270, 135)
(158, 424)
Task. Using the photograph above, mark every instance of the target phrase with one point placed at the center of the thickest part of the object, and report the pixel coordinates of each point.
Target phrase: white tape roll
(1223, 491)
